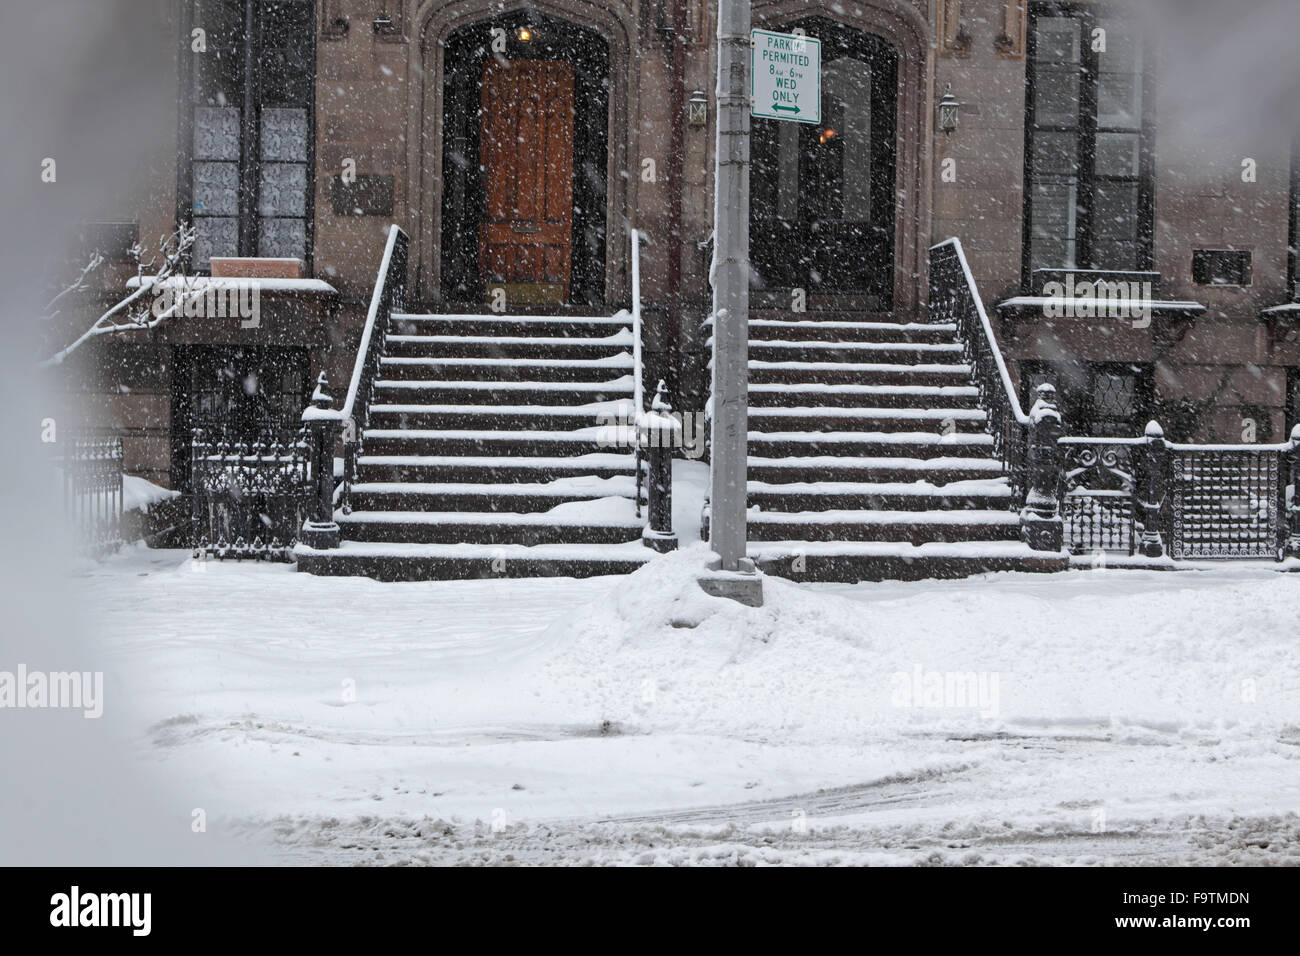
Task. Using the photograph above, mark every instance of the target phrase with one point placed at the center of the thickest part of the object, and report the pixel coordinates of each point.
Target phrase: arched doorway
(823, 195)
(525, 147)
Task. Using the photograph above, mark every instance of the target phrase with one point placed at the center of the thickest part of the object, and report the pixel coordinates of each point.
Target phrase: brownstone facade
(380, 78)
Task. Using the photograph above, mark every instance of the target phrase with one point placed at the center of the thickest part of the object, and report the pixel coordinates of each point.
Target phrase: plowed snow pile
(658, 654)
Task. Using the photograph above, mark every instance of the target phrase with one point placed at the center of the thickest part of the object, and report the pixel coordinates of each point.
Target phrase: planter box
(237, 267)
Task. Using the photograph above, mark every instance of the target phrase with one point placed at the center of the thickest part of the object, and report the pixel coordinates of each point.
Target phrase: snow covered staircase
(482, 456)
(869, 455)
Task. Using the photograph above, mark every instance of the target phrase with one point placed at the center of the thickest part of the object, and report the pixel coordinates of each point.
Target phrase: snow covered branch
(142, 308)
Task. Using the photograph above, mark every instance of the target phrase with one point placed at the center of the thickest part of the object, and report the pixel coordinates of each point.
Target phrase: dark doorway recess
(236, 394)
(823, 195)
(466, 179)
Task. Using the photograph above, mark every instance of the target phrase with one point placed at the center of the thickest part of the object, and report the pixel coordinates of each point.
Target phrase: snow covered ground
(1090, 716)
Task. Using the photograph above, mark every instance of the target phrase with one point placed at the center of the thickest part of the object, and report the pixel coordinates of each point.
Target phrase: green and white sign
(785, 76)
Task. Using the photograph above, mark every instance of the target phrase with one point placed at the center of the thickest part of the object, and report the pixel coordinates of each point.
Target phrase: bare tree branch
(138, 310)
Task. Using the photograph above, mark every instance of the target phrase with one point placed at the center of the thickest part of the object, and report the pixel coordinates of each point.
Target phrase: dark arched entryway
(823, 195)
(525, 146)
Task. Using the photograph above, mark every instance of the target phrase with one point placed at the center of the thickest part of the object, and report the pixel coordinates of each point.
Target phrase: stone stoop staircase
(483, 454)
(869, 454)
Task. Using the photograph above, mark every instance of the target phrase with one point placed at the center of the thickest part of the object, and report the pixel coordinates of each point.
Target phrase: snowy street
(1107, 717)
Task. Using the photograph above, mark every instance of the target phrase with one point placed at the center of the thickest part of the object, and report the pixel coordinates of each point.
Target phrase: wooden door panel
(527, 154)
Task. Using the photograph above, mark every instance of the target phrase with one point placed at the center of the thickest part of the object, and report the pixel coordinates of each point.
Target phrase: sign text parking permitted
(785, 76)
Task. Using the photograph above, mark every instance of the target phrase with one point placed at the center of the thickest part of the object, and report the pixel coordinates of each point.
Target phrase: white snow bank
(1100, 651)
(141, 494)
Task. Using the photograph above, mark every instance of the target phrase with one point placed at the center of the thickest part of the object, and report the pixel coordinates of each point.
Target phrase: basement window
(1221, 267)
(1097, 399)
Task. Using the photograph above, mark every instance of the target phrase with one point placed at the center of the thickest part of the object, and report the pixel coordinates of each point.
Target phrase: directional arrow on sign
(788, 109)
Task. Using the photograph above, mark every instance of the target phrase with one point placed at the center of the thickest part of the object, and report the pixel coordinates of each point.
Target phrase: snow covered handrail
(388, 297)
(985, 327)
(954, 298)
(638, 376)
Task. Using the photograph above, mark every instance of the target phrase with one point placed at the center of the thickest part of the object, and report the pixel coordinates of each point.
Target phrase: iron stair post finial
(320, 531)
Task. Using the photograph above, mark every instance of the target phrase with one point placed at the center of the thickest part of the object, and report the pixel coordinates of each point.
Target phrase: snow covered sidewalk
(1100, 716)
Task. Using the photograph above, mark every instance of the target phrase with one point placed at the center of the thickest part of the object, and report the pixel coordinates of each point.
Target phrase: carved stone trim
(1010, 43)
(954, 39)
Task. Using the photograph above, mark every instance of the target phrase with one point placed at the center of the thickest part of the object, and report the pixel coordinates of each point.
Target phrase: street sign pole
(734, 575)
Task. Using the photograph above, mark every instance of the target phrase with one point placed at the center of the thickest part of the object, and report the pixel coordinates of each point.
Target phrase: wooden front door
(526, 150)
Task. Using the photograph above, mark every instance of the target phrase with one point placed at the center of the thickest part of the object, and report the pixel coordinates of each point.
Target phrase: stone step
(851, 561)
(835, 418)
(396, 561)
(981, 494)
(520, 497)
(419, 527)
(857, 395)
(831, 468)
(485, 417)
(855, 353)
(801, 374)
(505, 369)
(433, 392)
(846, 445)
(523, 347)
(916, 527)
(440, 468)
(806, 330)
(521, 443)
(511, 325)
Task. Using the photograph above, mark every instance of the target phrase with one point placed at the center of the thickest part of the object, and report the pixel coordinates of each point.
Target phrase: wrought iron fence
(91, 473)
(1227, 503)
(1186, 501)
(248, 499)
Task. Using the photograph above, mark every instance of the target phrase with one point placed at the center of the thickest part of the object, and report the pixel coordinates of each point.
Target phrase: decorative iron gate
(1226, 503)
(1098, 481)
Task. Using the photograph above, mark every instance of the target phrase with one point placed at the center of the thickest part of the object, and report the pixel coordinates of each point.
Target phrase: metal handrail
(367, 334)
(954, 298)
(638, 379)
(387, 297)
(1008, 389)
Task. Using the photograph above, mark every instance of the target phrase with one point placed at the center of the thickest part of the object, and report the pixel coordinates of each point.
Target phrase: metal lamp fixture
(947, 110)
(697, 110)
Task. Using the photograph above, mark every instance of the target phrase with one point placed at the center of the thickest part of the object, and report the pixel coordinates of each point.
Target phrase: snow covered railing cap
(1012, 398)
(376, 298)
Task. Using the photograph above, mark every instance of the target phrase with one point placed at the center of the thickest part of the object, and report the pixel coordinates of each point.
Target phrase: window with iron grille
(1088, 180)
(246, 129)
(1221, 267)
(1097, 399)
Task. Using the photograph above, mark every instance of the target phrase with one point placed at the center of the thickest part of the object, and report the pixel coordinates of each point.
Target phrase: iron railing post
(1291, 534)
(1040, 517)
(659, 433)
(1152, 492)
(320, 531)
